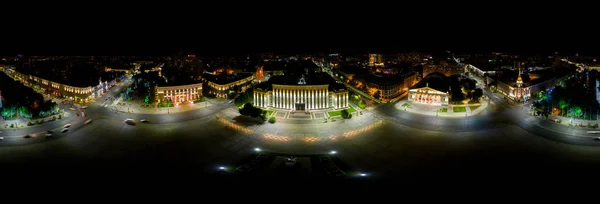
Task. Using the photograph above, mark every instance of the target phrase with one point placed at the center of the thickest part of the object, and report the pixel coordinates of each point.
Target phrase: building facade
(390, 89)
(444, 68)
(376, 60)
(301, 97)
(428, 95)
(71, 93)
(221, 90)
(179, 94)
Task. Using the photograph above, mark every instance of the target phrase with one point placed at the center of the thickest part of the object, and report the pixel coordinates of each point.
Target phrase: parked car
(48, 135)
(87, 121)
(144, 121)
(65, 130)
(67, 126)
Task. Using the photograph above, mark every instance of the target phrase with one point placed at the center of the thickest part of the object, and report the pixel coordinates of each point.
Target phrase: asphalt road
(502, 144)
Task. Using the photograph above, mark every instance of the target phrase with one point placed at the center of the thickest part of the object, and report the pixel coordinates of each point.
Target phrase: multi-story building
(389, 87)
(73, 93)
(301, 97)
(376, 60)
(432, 90)
(315, 95)
(179, 94)
(520, 90)
(443, 67)
(219, 85)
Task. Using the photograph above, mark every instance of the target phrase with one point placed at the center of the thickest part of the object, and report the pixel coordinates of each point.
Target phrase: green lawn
(269, 112)
(473, 107)
(443, 110)
(334, 113)
(351, 109)
(459, 109)
(339, 112)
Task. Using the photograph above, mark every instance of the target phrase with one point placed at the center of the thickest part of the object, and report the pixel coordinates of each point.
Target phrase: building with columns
(301, 96)
(432, 90)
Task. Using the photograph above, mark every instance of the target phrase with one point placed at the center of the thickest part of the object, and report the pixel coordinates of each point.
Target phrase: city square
(303, 120)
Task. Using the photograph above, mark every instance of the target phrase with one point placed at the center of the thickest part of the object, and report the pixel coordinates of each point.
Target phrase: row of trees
(573, 97)
(20, 100)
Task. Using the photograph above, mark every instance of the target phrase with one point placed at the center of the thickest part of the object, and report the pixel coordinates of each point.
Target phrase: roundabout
(386, 142)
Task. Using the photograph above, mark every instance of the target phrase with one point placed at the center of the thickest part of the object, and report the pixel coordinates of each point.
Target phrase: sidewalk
(22, 122)
(425, 109)
(136, 109)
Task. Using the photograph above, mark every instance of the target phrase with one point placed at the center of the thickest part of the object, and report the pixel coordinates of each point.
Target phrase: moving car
(593, 132)
(144, 121)
(48, 135)
(130, 121)
(1, 138)
(50, 131)
(67, 126)
(65, 130)
(27, 136)
(87, 121)
(596, 138)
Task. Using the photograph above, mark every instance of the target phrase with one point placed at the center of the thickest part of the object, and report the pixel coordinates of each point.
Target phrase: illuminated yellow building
(73, 93)
(376, 60)
(221, 86)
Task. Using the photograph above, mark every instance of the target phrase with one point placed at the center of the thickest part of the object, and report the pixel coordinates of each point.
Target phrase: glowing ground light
(362, 174)
(222, 168)
(311, 139)
(257, 149)
(333, 152)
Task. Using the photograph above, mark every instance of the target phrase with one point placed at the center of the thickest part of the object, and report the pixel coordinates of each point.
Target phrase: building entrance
(300, 106)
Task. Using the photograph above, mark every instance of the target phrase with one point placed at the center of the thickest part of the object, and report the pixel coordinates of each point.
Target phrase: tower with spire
(519, 79)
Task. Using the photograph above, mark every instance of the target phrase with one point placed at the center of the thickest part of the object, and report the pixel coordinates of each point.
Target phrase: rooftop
(320, 78)
(225, 79)
(79, 74)
(435, 81)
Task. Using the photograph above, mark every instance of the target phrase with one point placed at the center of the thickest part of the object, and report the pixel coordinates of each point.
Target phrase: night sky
(299, 28)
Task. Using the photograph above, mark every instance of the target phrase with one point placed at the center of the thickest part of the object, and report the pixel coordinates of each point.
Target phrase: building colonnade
(310, 97)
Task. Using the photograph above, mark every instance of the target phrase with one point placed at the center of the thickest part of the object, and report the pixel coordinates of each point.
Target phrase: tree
(272, 119)
(377, 94)
(346, 114)
(477, 94)
(147, 99)
(24, 112)
(406, 105)
(362, 104)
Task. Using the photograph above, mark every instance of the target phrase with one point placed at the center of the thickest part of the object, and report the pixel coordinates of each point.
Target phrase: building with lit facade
(376, 60)
(128, 71)
(76, 94)
(443, 67)
(432, 90)
(219, 85)
(389, 87)
(300, 96)
(179, 94)
(521, 90)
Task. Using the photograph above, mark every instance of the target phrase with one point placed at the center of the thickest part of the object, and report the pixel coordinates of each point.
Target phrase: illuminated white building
(179, 94)
(301, 97)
